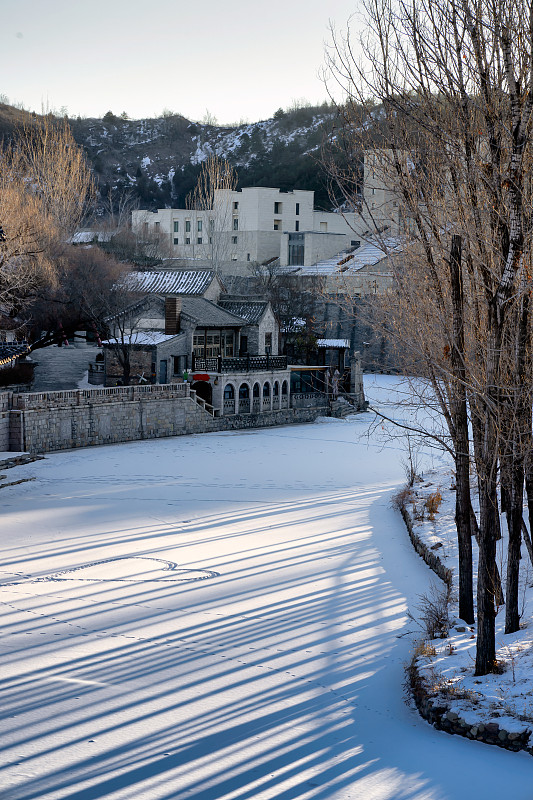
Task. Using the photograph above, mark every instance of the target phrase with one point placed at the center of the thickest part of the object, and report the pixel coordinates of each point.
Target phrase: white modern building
(248, 226)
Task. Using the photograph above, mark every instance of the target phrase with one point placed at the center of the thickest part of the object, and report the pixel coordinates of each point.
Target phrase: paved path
(60, 368)
(220, 617)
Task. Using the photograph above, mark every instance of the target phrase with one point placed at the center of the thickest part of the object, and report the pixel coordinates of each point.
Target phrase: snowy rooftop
(143, 338)
(333, 343)
(189, 281)
(251, 311)
(347, 263)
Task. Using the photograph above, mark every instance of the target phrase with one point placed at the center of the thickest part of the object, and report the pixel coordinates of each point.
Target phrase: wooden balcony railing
(264, 363)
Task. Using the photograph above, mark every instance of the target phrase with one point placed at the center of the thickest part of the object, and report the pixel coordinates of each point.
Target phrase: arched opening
(284, 395)
(275, 395)
(244, 399)
(204, 390)
(257, 398)
(229, 399)
(266, 396)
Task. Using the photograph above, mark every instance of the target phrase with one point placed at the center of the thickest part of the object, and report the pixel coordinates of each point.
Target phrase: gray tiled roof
(251, 311)
(171, 281)
(209, 314)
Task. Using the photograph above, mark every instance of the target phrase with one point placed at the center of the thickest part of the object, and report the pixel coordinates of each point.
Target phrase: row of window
(199, 225)
(199, 240)
(278, 208)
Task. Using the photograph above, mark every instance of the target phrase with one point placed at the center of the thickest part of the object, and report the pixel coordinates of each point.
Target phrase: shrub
(433, 613)
(433, 503)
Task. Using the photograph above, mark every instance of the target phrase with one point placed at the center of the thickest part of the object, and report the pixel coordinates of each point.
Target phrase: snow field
(220, 616)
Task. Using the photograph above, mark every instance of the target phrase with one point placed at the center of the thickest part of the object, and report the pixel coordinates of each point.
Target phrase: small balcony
(243, 364)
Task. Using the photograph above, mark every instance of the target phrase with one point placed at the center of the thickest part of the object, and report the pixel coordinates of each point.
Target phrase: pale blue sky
(238, 59)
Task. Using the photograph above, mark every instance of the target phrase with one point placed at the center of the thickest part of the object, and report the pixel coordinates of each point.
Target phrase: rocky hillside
(158, 160)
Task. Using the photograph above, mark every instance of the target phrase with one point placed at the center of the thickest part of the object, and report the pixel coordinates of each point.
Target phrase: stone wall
(47, 422)
(432, 560)
(5, 403)
(438, 714)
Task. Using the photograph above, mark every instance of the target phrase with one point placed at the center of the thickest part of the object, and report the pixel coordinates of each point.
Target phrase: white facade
(243, 226)
(380, 205)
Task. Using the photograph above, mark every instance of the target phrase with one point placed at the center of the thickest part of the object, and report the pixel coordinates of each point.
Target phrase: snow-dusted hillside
(159, 159)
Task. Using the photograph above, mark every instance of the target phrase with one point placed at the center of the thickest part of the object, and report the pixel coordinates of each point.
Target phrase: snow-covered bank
(502, 699)
(221, 616)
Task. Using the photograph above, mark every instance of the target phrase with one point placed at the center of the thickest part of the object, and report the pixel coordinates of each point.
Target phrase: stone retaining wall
(62, 427)
(423, 550)
(439, 715)
(5, 403)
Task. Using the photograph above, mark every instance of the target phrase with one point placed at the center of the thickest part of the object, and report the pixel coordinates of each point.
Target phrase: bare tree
(45, 190)
(454, 79)
(212, 200)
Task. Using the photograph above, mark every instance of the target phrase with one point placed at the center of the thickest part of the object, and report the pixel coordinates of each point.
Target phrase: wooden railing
(264, 363)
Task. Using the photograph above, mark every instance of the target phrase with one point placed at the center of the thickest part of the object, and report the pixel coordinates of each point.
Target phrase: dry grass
(433, 503)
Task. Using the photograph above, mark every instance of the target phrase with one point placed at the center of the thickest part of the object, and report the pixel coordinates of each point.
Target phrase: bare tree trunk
(459, 415)
(486, 614)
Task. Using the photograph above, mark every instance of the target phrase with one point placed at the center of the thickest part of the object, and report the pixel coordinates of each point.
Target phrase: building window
(157, 226)
(212, 345)
(199, 225)
(198, 344)
(187, 240)
(176, 226)
(373, 190)
(176, 240)
(297, 209)
(234, 239)
(145, 226)
(211, 224)
(187, 226)
(229, 392)
(297, 225)
(228, 340)
(277, 208)
(323, 227)
(235, 223)
(235, 206)
(268, 342)
(199, 240)
(277, 224)
(296, 249)
(266, 390)
(247, 256)
(244, 344)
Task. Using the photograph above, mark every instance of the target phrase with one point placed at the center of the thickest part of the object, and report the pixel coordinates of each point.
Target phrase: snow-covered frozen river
(220, 617)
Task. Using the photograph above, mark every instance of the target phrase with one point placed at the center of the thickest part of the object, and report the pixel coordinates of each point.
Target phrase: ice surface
(273, 669)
